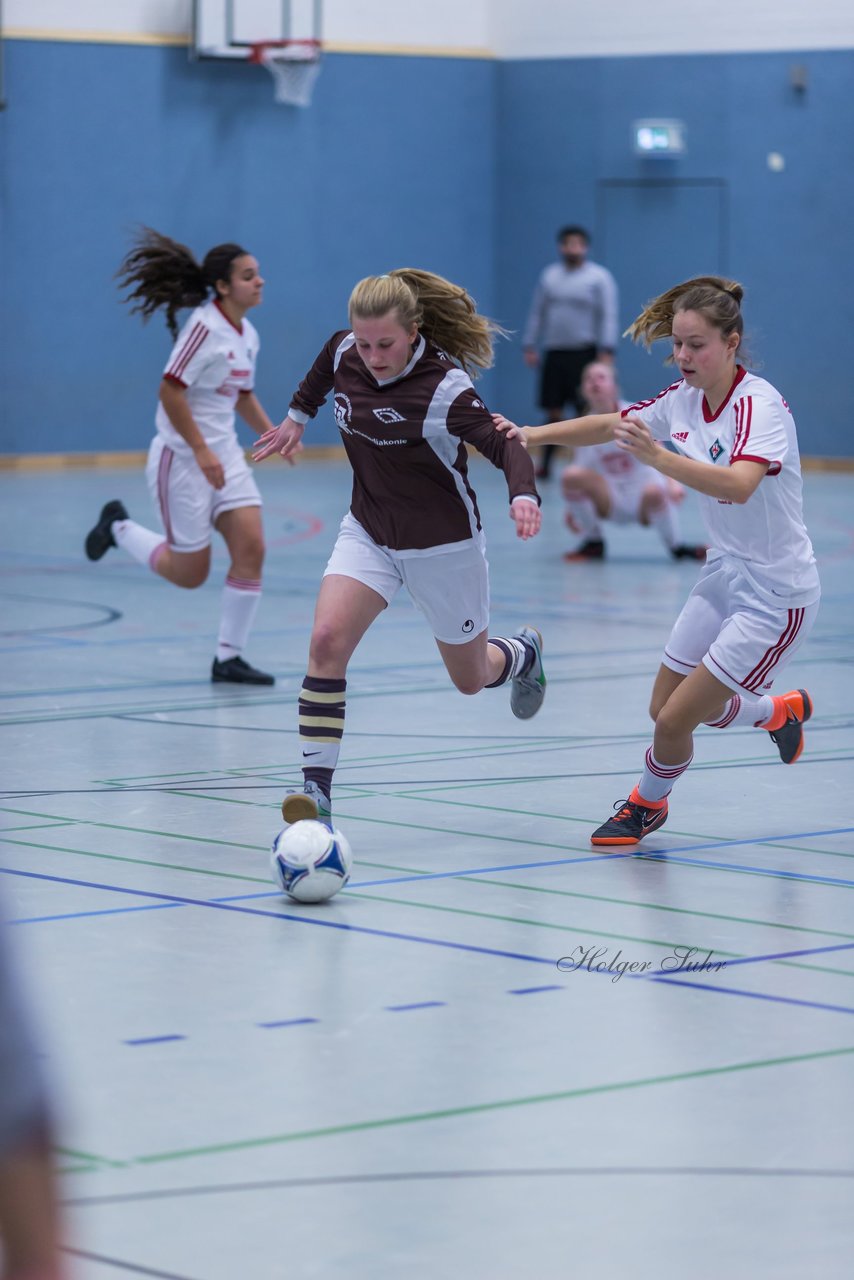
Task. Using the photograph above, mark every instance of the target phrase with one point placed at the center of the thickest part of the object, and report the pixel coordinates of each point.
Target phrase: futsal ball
(311, 862)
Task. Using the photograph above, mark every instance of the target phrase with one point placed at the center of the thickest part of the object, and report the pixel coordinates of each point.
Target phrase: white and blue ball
(310, 862)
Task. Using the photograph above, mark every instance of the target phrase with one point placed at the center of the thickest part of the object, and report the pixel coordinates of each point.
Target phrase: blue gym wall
(564, 130)
(392, 165)
(463, 166)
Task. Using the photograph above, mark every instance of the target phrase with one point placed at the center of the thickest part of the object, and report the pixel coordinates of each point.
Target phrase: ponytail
(717, 299)
(161, 273)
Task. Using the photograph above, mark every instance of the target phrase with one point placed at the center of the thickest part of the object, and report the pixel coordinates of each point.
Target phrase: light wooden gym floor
(403, 1082)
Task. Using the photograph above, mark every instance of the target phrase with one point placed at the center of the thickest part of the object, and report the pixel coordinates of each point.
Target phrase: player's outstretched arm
(510, 429)
(597, 428)
(285, 439)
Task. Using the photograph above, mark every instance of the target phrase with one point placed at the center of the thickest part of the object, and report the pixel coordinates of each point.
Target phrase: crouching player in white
(197, 472)
(605, 482)
(756, 598)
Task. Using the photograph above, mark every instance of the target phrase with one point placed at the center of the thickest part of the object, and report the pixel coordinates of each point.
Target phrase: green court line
(654, 906)
(38, 826)
(148, 831)
(570, 779)
(583, 930)
(447, 1113)
(414, 871)
(352, 762)
(526, 813)
(227, 875)
(560, 846)
(141, 862)
(172, 835)
(91, 1160)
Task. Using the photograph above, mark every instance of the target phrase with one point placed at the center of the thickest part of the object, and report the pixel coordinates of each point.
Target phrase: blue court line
(403, 937)
(85, 915)
(531, 991)
(281, 915)
(288, 1022)
(600, 857)
(776, 955)
(757, 871)
(154, 1039)
(752, 995)
(424, 1004)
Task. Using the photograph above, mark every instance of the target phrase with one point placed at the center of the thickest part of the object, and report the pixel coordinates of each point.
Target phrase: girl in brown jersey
(406, 408)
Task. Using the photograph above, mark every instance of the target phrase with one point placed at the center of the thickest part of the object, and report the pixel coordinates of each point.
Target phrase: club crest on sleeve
(716, 450)
(343, 410)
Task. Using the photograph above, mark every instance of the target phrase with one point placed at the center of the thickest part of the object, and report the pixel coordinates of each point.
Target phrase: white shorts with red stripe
(189, 506)
(744, 642)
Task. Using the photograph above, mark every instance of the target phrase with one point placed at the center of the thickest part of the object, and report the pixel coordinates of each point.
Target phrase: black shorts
(561, 376)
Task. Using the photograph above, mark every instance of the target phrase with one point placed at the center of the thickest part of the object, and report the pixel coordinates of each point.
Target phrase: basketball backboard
(229, 28)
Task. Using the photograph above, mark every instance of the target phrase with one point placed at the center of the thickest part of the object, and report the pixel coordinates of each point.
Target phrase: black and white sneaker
(236, 671)
(100, 539)
(528, 689)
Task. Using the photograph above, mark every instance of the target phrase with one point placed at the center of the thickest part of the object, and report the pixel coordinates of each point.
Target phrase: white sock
(517, 658)
(742, 710)
(240, 600)
(666, 524)
(137, 541)
(657, 779)
(584, 518)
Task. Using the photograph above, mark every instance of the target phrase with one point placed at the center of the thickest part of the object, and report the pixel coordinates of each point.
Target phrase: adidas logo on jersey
(389, 415)
(681, 436)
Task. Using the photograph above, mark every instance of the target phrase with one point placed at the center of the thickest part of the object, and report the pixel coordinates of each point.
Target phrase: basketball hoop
(294, 66)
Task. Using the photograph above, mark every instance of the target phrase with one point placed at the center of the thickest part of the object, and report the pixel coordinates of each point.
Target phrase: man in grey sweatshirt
(573, 320)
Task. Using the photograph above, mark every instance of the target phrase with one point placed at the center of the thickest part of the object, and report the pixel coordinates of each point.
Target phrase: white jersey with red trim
(766, 534)
(617, 466)
(215, 362)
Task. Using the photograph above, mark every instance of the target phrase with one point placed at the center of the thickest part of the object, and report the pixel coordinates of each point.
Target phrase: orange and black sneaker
(592, 549)
(630, 823)
(688, 551)
(796, 707)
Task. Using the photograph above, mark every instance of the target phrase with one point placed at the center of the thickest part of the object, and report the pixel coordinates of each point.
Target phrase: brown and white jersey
(406, 441)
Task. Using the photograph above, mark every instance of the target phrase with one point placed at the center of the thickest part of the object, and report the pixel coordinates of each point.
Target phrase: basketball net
(294, 66)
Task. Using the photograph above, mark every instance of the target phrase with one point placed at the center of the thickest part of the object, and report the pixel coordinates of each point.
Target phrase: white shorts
(188, 505)
(451, 588)
(626, 493)
(742, 641)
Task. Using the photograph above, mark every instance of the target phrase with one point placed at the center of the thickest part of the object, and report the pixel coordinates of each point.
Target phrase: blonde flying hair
(443, 311)
(717, 299)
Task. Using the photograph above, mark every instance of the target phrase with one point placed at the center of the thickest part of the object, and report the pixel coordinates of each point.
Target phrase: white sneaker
(307, 802)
